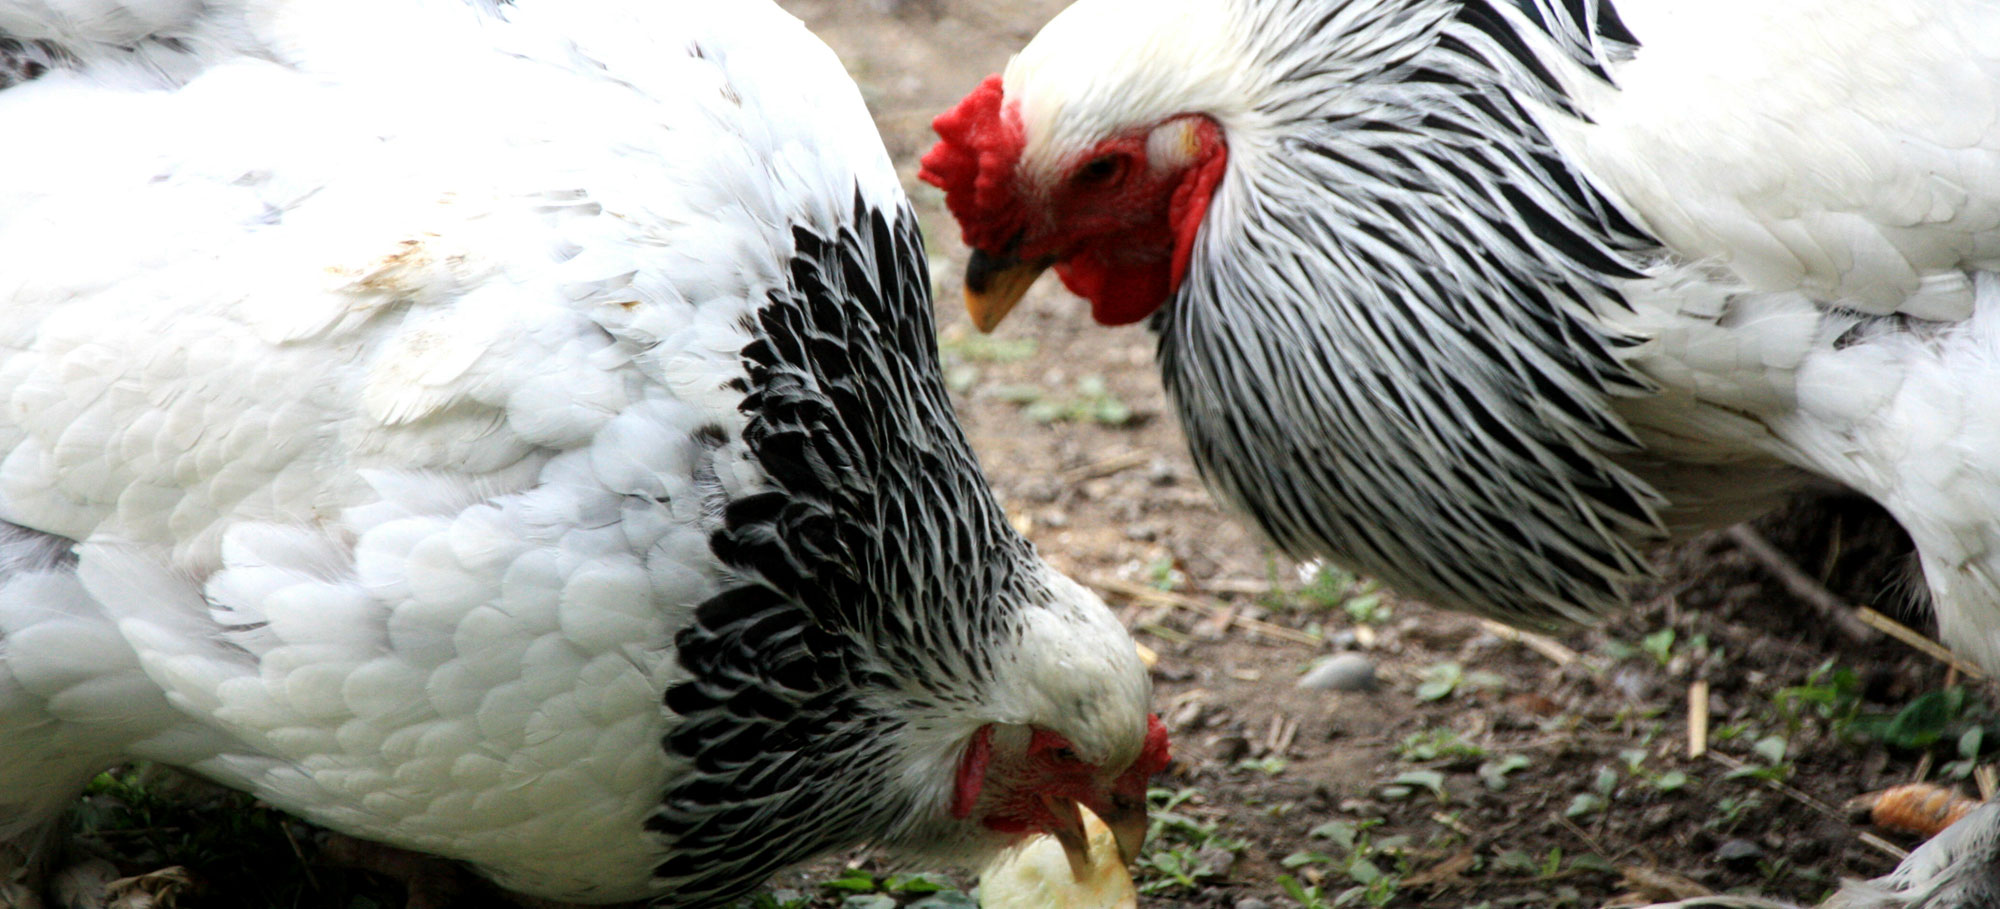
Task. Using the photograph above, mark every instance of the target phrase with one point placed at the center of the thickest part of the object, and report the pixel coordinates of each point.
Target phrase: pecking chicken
(511, 432)
(1486, 298)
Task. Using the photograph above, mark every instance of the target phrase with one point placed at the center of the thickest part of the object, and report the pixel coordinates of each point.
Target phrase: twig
(312, 880)
(1793, 792)
(1697, 718)
(1802, 585)
(1928, 647)
(1539, 643)
(1588, 840)
(1988, 778)
(1888, 848)
(1138, 591)
(1111, 466)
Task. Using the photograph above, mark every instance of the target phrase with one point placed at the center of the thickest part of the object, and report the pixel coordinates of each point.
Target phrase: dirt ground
(1073, 428)
(1482, 771)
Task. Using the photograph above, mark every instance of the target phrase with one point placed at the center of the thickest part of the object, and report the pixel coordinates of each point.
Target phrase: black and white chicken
(1486, 298)
(512, 432)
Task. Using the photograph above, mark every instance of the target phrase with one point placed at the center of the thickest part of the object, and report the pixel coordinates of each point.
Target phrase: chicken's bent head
(1062, 725)
(1094, 155)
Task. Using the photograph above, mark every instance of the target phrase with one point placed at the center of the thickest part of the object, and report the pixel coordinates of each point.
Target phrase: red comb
(1154, 756)
(974, 164)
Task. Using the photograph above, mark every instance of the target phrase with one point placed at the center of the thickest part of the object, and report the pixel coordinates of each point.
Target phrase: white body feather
(1809, 165)
(363, 346)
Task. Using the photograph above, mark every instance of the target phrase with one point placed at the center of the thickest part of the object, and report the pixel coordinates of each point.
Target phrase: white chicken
(512, 432)
(1486, 298)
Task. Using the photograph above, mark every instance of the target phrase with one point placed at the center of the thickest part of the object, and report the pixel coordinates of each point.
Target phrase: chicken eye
(1063, 756)
(1100, 171)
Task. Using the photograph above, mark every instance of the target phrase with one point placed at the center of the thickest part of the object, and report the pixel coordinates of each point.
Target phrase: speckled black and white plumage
(1519, 507)
(511, 432)
(887, 574)
(1491, 296)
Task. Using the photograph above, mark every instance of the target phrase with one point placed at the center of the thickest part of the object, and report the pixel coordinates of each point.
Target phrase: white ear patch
(1172, 145)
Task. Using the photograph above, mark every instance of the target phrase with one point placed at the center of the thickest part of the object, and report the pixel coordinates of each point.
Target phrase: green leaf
(1922, 723)
(1342, 833)
(1428, 779)
(1494, 772)
(1439, 681)
(1659, 645)
(1772, 748)
(1302, 857)
(853, 879)
(1584, 803)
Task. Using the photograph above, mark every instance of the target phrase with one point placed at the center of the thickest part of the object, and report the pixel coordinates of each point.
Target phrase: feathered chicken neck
(1387, 348)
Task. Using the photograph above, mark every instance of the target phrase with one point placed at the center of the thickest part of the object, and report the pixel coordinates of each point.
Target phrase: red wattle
(1191, 197)
(972, 773)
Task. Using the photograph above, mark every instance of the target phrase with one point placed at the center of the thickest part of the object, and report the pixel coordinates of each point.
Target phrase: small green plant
(1178, 842)
(1970, 745)
(1308, 897)
(1494, 772)
(1362, 860)
(1659, 645)
(1774, 768)
(1602, 786)
(973, 347)
(1635, 767)
(1440, 680)
(1830, 692)
(1270, 765)
(1093, 402)
(1439, 743)
(1405, 784)
(860, 880)
(1730, 812)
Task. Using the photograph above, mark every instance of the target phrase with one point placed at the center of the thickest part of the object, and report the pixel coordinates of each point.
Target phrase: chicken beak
(993, 284)
(1128, 829)
(1068, 830)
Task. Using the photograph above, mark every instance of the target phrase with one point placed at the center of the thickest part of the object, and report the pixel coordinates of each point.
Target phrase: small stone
(1738, 852)
(1251, 902)
(1217, 860)
(1341, 672)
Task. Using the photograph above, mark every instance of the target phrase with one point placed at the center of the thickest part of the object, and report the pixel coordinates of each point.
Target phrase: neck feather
(1389, 347)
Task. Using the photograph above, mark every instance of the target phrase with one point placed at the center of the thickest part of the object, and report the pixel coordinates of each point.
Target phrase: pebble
(1738, 852)
(1341, 672)
(1217, 860)
(1251, 902)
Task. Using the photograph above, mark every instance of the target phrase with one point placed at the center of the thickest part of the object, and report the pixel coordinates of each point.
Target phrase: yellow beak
(993, 284)
(1128, 829)
(1073, 831)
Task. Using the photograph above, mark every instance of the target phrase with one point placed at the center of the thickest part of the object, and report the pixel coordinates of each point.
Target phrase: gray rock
(1341, 672)
(1251, 902)
(1738, 853)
